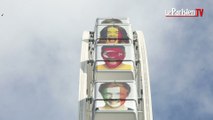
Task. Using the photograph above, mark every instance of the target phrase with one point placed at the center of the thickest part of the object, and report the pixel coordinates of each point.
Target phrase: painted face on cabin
(113, 56)
(115, 96)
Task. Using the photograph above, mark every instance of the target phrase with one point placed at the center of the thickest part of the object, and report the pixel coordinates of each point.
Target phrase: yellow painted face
(112, 32)
(112, 35)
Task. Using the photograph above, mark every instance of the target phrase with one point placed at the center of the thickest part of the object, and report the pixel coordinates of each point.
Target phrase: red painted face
(113, 56)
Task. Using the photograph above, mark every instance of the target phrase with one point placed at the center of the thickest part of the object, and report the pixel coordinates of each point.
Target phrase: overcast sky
(40, 43)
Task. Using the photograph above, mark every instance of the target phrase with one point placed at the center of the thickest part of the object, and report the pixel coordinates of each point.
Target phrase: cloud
(180, 75)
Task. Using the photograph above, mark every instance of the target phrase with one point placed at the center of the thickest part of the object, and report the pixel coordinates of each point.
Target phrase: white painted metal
(83, 76)
(145, 77)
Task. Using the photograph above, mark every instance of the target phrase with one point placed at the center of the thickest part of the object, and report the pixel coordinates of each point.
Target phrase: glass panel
(114, 75)
(112, 21)
(120, 115)
(112, 34)
(114, 65)
(115, 52)
(114, 105)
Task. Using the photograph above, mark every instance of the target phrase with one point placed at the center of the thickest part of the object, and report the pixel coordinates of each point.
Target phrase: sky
(40, 44)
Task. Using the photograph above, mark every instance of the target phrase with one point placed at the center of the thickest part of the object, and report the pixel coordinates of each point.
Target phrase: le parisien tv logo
(198, 12)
